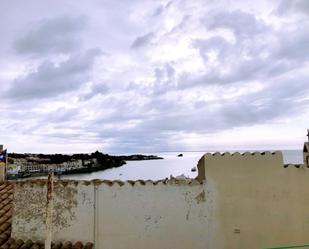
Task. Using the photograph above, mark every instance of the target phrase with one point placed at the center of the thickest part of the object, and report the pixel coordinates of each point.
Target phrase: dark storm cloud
(56, 35)
(50, 80)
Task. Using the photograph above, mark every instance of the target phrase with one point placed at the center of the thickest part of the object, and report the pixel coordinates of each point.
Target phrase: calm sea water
(160, 169)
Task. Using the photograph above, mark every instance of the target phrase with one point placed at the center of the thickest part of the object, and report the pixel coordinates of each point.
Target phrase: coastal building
(35, 165)
(32, 167)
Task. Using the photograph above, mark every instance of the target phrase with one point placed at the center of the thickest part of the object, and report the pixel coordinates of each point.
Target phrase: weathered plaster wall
(73, 211)
(239, 201)
(260, 203)
(164, 214)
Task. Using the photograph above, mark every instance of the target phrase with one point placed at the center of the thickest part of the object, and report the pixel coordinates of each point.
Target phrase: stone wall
(239, 201)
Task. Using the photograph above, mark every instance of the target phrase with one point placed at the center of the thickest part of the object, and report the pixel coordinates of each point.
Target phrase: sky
(145, 76)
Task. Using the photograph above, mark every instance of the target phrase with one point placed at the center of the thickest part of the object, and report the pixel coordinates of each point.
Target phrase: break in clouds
(146, 76)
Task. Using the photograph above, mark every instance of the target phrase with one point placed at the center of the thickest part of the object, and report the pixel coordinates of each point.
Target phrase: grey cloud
(96, 89)
(278, 99)
(164, 117)
(165, 73)
(293, 44)
(253, 69)
(50, 80)
(57, 35)
(142, 41)
(180, 27)
(241, 23)
(61, 115)
(217, 44)
(150, 104)
(165, 79)
(303, 6)
(284, 6)
(237, 62)
(159, 10)
(253, 38)
(292, 6)
(255, 57)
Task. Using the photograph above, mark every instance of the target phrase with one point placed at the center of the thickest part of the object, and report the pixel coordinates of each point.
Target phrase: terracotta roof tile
(6, 242)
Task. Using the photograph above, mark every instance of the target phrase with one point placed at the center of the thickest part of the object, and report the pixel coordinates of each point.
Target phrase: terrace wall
(237, 201)
(112, 214)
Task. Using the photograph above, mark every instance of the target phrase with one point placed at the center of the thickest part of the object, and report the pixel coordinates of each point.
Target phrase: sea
(171, 165)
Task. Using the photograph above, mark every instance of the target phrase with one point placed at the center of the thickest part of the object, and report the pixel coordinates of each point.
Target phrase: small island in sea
(32, 165)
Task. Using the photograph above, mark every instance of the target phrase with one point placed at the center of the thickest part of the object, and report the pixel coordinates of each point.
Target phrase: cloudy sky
(145, 76)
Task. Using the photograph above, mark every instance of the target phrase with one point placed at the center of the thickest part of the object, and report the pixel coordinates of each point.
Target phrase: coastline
(39, 165)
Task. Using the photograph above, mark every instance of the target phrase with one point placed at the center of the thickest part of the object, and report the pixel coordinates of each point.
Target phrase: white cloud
(165, 75)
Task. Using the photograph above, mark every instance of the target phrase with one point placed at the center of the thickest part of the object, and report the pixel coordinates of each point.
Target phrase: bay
(161, 169)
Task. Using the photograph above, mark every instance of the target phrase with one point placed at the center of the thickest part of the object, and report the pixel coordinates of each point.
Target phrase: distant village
(29, 165)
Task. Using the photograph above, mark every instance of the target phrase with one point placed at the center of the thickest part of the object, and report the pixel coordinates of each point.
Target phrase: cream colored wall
(72, 217)
(165, 214)
(260, 203)
(240, 201)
